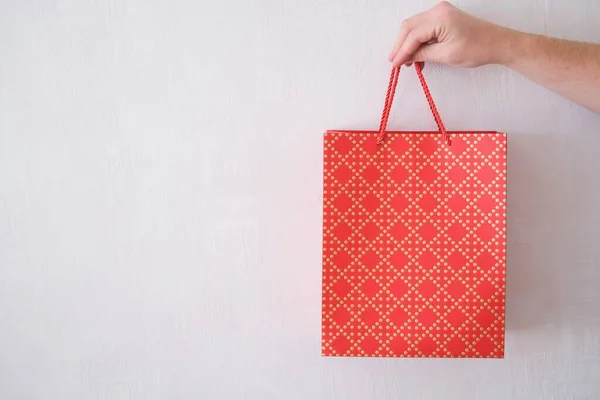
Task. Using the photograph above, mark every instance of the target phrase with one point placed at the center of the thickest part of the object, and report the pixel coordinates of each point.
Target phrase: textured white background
(160, 199)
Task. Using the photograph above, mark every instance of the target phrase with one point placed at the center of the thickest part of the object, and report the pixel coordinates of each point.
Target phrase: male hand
(447, 35)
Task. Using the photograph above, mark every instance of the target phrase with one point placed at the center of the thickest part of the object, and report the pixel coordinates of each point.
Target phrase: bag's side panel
(337, 153)
(354, 304)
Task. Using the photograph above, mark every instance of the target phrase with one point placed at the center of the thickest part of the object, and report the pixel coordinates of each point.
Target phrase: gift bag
(414, 252)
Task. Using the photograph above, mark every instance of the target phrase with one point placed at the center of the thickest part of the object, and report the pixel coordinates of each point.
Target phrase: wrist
(513, 46)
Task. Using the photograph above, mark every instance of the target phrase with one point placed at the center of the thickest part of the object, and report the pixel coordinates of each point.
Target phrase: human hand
(447, 35)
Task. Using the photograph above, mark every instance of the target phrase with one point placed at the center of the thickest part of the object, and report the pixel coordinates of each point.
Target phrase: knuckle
(444, 9)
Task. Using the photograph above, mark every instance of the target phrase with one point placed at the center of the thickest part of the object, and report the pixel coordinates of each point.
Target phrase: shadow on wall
(553, 247)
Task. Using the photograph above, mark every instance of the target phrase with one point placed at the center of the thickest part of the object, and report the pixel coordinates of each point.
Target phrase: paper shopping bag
(414, 230)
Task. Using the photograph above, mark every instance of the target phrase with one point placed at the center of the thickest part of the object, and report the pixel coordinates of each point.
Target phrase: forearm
(569, 68)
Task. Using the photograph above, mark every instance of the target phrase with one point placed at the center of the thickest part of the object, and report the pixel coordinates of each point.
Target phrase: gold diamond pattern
(414, 245)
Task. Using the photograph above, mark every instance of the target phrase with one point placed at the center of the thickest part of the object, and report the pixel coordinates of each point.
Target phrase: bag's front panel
(414, 245)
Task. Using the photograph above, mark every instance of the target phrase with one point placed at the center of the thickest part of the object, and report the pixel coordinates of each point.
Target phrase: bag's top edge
(408, 132)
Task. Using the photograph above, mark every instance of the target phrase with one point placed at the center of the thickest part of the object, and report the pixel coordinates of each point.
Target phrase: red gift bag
(414, 231)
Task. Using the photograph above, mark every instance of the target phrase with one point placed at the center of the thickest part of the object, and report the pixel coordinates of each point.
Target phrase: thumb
(428, 52)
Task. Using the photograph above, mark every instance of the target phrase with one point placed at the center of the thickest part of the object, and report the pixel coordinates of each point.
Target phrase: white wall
(160, 199)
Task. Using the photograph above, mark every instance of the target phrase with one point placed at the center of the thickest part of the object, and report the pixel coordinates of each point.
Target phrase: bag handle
(389, 99)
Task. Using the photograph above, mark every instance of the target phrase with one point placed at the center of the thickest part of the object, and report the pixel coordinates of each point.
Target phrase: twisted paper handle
(389, 99)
